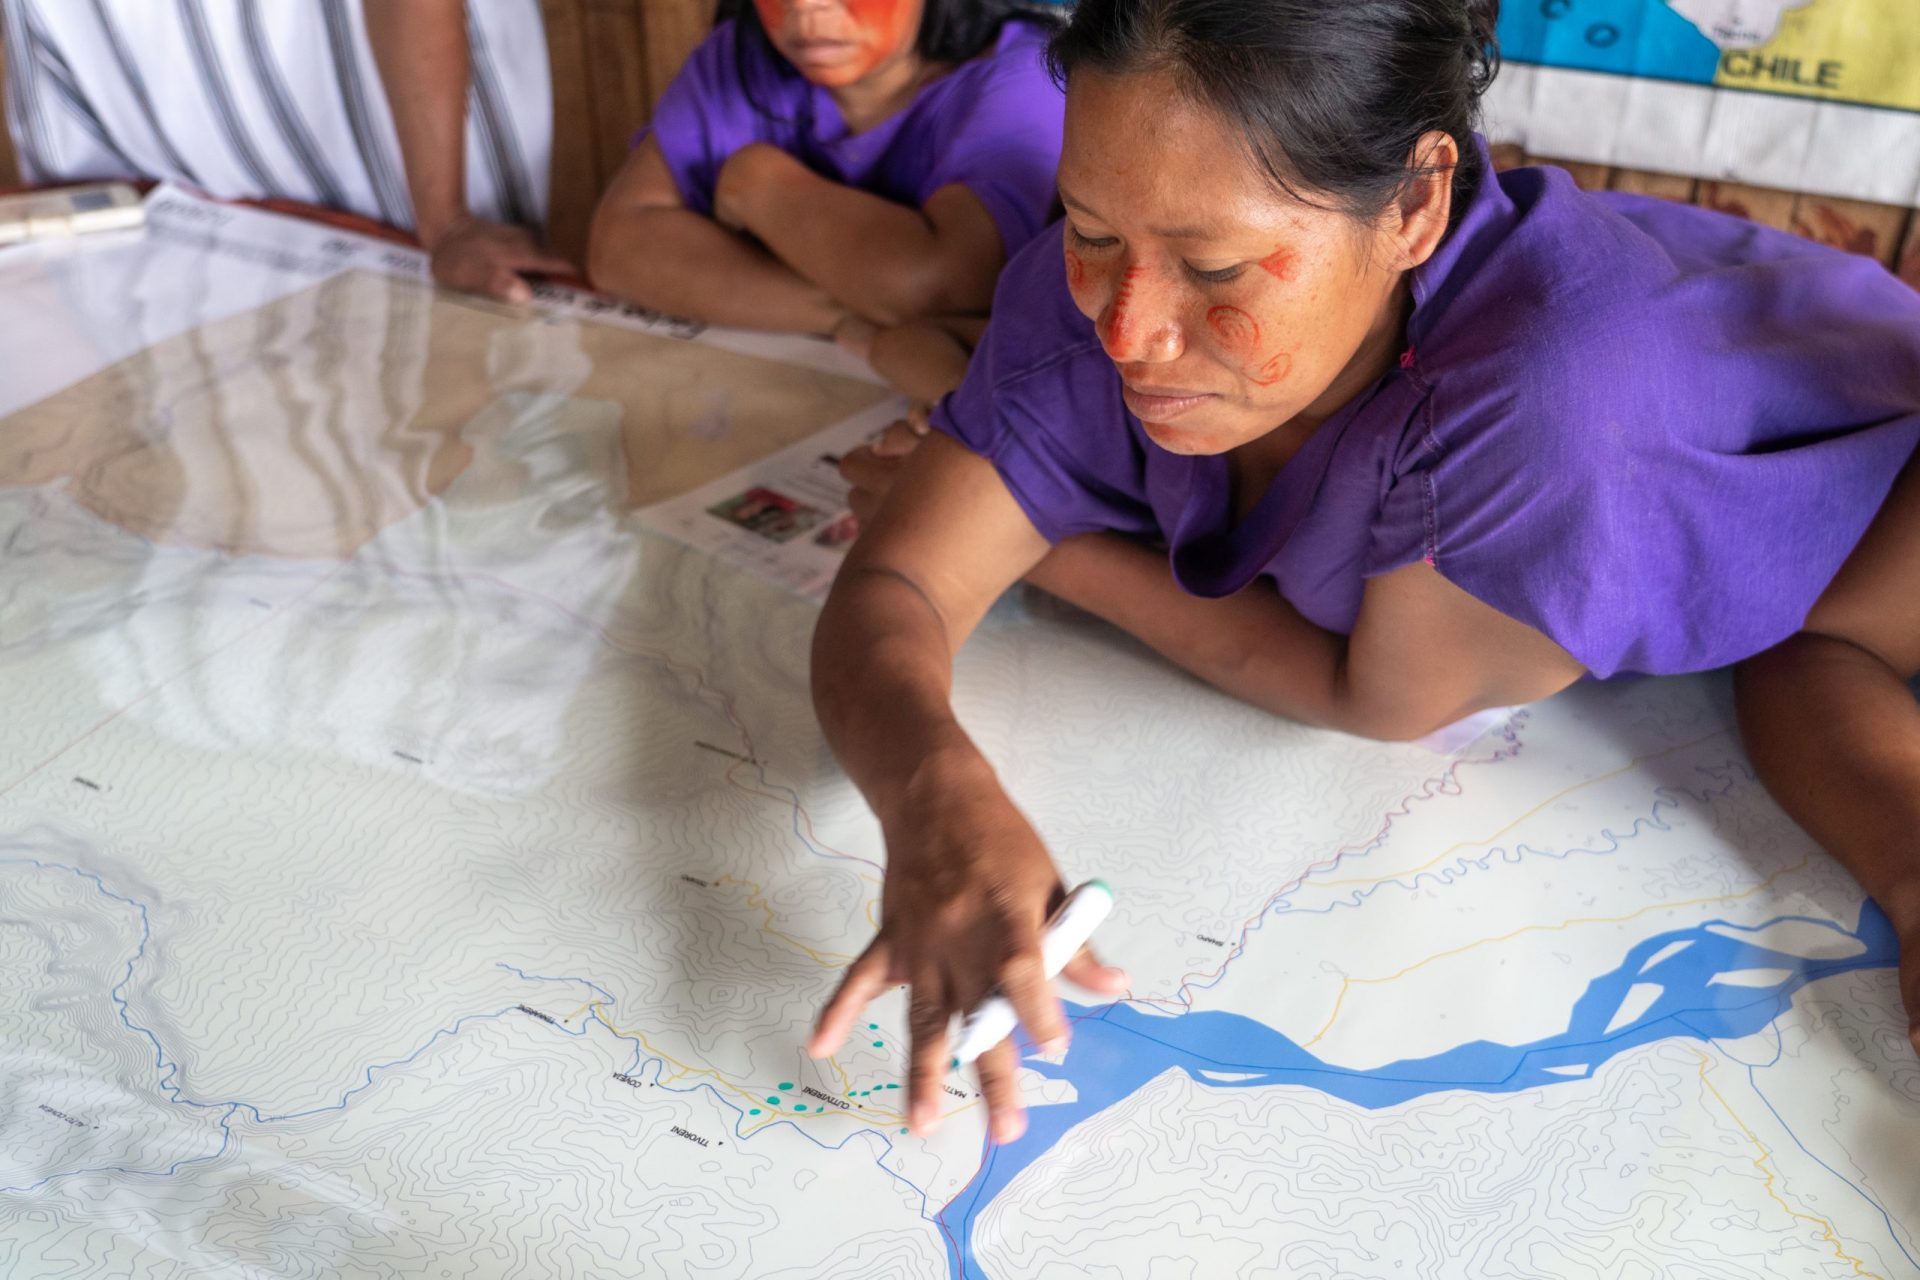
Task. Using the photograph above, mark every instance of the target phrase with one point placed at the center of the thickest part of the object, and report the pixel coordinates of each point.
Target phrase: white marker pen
(993, 1020)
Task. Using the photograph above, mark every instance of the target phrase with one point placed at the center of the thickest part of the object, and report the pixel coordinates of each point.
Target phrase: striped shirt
(256, 98)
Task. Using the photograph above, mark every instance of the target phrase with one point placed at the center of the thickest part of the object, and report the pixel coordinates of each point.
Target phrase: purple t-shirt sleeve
(706, 115)
(1002, 142)
(1041, 402)
(1530, 477)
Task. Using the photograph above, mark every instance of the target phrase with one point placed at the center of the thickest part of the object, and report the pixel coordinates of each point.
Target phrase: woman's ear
(1419, 214)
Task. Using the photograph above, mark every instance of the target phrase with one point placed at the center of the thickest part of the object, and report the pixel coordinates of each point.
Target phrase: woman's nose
(1137, 324)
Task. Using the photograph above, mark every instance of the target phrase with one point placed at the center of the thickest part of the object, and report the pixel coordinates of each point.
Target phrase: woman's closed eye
(1219, 276)
(1085, 241)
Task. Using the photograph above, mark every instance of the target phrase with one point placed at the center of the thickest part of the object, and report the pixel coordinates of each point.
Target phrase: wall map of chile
(1859, 51)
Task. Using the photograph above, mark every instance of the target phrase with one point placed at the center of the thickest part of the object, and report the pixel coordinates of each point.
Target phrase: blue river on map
(1625, 37)
(1116, 1050)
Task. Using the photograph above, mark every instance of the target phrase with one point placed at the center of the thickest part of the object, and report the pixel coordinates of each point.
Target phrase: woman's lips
(1161, 404)
(820, 51)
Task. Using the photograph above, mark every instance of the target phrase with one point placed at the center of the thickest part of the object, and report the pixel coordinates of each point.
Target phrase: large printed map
(1810, 96)
(446, 890)
(1860, 51)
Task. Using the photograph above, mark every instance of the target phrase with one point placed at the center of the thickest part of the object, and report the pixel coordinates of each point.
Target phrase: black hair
(950, 30)
(1331, 95)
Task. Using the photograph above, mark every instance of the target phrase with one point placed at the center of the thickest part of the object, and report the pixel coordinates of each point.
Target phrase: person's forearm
(685, 264)
(881, 260)
(421, 49)
(1253, 644)
(922, 359)
(882, 682)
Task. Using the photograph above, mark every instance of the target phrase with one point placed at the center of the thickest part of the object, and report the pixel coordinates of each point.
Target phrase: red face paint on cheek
(1117, 320)
(1279, 263)
(1076, 272)
(883, 27)
(1272, 371)
(772, 13)
(1236, 329)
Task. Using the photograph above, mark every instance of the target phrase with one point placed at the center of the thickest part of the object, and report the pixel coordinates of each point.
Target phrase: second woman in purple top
(843, 167)
(1316, 405)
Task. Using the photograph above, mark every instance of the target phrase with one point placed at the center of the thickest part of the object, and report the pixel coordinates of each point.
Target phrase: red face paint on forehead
(1279, 263)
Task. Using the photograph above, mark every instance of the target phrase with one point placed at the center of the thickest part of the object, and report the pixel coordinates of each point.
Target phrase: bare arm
(968, 882)
(1423, 653)
(421, 48)
(887, 262)
(948, 541)
(924, 358)
(648, 247)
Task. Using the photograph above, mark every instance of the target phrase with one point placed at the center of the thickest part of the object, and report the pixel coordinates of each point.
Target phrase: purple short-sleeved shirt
(1653, 432)
(992, 125)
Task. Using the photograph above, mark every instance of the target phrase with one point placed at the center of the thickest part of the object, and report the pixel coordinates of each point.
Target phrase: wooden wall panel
(610, 62)
(1771, 208)
(616, 77)
(1588, 177)
(9, 162)
(673, 28)
(1668, 186)
(574, 183)
(1507, 155)
(1853, 225)
(1909, 268)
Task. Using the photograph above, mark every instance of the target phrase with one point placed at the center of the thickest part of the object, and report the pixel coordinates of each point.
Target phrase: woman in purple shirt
(841, 167)
(1322, 409)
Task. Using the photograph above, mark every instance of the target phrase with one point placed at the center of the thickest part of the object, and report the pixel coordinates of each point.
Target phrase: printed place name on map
(1742, 64)
(697, 880)
(61, 1115)
(690, 1136)
(827, 1098)
(627, 1080)
(535, 1013)
(958, 1093)
(1209, 938)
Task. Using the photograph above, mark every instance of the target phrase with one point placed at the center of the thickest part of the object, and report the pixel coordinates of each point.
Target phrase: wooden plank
(1872, 230)
(1508, 155)
(9, 162)
(574, 180)
(1667, 186)
(1759, 204)
(616, 77)
(1588, 177)
(673, 28)
(1909, 269)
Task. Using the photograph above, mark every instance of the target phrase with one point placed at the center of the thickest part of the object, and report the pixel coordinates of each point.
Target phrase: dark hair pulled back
(1331, 95)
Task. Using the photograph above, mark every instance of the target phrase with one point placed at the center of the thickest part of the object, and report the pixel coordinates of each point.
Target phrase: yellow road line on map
(826, 959)
(1551, 800)
(1766, 1155)
(1347, 984)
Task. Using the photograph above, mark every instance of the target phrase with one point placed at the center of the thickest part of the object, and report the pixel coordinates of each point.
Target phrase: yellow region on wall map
(1865, 51)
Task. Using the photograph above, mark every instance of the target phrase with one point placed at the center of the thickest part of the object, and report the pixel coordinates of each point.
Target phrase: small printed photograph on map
(839, 533)
(772, 515)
